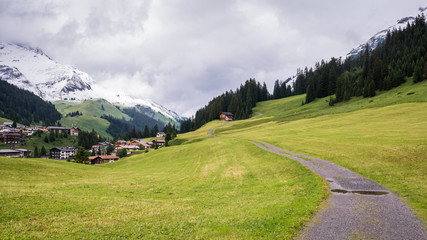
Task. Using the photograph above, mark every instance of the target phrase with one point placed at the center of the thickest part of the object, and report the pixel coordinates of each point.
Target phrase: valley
(336, 151)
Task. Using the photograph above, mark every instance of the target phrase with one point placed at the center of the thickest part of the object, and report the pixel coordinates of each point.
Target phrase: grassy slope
(223, 187)
(34, 141)
(92, 111)
(387, 144)
(2, 120)
(210, 188)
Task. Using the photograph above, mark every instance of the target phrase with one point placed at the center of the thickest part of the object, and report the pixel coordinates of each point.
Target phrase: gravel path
(211, 131)
(358, 208)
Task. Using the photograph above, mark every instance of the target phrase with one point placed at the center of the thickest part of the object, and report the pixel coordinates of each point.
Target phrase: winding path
(210, 133)
(358, 208)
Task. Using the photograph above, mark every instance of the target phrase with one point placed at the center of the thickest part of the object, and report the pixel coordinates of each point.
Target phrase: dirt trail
(358, 208)
(211, 131)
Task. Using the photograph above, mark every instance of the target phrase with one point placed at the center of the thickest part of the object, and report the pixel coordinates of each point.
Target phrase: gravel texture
(358, 208)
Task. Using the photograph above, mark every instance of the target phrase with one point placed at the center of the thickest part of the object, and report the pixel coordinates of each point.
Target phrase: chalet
(161, 134)
(10, 137)
(100, 147)
(41, 128)
(9, 153)
(103, 159)
(140, 143)
(226, 116)
(8, 124)
(159, 142)
(119, 143)
(130, 147)
(62, 153)
(73, 131)
(24, 152)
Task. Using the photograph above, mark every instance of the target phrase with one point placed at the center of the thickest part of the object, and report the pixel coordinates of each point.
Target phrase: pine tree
(371, 88)
(311, 94)
(36, 152)
(333, 76)
(81, 155)
(418, 71)
(146, 132)
(276, 90)
(43, 151)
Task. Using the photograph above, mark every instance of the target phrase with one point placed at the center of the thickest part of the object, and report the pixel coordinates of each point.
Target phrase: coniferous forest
(402, 54)
(25, 107)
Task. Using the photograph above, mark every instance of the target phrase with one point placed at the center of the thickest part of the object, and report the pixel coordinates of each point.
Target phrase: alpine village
(338, 151)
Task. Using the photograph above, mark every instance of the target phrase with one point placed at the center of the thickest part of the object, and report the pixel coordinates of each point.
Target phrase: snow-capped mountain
(31, 69)
(380, 37)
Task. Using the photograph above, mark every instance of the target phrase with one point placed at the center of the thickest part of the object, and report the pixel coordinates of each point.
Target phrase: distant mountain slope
(380, 37)
(94, 111)
(31, 69)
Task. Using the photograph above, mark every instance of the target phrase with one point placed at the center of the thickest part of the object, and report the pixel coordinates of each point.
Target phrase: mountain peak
(380, 37)
(28, 47)
(31, 69)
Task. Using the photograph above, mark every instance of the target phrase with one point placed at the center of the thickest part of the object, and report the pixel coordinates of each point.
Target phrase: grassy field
(223, 187)
(211, 188)
(382, 138)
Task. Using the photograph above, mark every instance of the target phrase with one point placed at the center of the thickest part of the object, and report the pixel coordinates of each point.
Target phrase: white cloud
(183, 53)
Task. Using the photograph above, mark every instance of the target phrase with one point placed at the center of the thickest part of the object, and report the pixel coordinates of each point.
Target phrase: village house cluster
(12, 135)
(100, 152)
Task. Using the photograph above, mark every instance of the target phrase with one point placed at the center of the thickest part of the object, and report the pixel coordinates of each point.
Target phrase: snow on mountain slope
(39, 74)
(380, 37)
(31, 69)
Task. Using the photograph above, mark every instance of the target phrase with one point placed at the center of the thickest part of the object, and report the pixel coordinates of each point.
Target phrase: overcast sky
(182, 53)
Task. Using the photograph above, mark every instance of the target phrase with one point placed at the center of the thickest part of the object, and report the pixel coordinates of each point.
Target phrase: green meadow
(92, 111)
(383, 138)
(212, 188)
(224, 187)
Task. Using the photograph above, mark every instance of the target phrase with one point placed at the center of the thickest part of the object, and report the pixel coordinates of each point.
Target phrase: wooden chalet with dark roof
(102, 159)
(226, 116)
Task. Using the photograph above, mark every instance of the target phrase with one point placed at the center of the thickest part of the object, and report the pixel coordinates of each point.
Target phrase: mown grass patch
(382, 138)
(213, 188)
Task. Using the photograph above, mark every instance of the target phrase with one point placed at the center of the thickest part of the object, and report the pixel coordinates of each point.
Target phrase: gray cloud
(183, 53)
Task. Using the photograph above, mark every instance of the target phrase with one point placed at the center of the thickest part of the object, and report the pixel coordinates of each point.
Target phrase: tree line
(402, 54)
(239, 102)
(25, 107)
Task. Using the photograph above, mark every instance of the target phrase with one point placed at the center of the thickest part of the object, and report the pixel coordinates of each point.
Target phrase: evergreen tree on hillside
(25, 107)
(43, 151)
(146, 132)
(82, 156)
(36, 153)
(332, 77)
(418, 71)
(154, 130)
(276, 90)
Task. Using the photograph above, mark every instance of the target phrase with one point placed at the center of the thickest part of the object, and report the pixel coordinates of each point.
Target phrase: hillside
(224, 187)
(213, 188)
(93, 110)
(382, 138)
